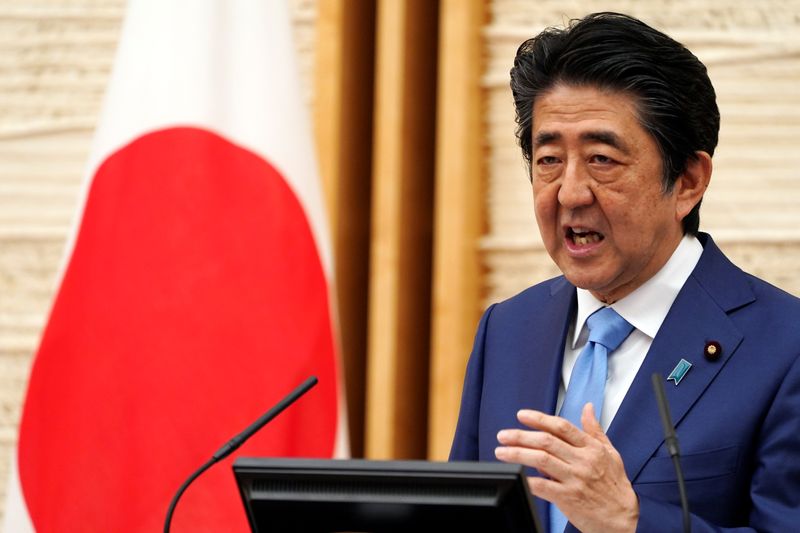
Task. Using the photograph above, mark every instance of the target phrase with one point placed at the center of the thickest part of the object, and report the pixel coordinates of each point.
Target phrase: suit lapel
(699, 315)
(545, 335)
(549, 335)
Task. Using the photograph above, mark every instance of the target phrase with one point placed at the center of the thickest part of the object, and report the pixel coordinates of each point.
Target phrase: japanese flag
(196, 288)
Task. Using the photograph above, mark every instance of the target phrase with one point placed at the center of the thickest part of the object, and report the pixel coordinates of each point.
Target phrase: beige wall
(55, 63)
(751, 209)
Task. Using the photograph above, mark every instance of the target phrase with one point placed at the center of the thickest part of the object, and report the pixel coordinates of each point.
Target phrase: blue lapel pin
(679, 371)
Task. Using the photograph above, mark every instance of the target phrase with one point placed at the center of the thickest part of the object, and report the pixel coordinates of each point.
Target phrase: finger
(547, 464)
(539, 440)
(546, 489)
(591, 426)
(555, 425)
(589, 420)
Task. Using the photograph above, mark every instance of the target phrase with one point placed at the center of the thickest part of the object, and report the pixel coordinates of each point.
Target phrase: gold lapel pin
(713, 350)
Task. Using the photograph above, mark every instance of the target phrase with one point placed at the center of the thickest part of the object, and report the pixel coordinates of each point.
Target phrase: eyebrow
(545, 137)
(602, 136)
(606, 137)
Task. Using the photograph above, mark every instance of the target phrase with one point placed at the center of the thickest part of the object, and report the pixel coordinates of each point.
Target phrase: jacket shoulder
(534, 294)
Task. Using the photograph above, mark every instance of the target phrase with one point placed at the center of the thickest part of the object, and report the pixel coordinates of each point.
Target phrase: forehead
(566, 110)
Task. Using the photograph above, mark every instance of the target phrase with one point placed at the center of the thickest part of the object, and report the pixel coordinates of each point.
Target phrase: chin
(586, 281)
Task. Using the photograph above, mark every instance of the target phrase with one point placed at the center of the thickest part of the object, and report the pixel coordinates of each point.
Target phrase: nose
(575, 190)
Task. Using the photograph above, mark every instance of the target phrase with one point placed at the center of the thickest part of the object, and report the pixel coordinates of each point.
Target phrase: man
(618, 124)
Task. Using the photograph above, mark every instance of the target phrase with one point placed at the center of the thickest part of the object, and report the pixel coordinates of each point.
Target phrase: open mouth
(583, 236)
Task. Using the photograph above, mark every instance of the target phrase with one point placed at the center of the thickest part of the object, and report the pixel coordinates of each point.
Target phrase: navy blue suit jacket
(737, 418)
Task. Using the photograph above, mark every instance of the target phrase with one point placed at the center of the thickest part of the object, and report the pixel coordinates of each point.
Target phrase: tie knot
(608, 328)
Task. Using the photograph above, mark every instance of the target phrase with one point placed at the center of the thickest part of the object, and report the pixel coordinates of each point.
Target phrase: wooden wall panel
(344, 77)
(399, 300)
(458, 213)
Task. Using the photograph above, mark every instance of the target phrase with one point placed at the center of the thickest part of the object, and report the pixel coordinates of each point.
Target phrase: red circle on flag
(193, 300)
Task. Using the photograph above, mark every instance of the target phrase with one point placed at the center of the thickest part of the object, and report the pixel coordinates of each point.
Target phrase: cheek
(544, 203)
(639, 224)
(629, 207)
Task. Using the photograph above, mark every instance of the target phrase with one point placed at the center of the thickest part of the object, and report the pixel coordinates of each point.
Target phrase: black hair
(675, 100)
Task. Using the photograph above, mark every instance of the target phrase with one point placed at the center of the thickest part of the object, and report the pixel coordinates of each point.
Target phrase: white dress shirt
(645, 309)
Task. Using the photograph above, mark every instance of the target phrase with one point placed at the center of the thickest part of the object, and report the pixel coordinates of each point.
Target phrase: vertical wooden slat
(399, 307)
(343, 121)
(458, 213)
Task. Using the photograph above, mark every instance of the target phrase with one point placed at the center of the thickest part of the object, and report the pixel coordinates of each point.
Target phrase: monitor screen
(316, 495)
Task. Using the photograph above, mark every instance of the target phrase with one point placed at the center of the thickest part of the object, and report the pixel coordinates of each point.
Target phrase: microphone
(238, 440)
(671, 441)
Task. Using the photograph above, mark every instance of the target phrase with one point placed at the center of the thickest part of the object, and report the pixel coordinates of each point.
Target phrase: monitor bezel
(429, 483)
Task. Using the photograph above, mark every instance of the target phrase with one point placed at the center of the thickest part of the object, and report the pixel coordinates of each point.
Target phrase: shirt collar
(647, 306)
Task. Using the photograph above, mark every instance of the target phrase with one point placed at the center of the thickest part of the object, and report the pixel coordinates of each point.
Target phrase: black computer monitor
(316, 495)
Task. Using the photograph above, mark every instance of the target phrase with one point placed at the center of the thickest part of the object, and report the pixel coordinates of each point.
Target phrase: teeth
(580, 230)
(586, 239)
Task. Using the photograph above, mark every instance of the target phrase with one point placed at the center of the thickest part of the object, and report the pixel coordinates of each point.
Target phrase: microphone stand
(237, 441)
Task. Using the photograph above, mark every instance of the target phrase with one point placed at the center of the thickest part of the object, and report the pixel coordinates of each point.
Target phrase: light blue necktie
(587, 383)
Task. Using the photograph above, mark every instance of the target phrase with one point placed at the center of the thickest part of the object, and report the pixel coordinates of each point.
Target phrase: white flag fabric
(196, 287)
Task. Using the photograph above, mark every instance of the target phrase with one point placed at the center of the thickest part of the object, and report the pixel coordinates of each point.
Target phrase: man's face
(599, 202)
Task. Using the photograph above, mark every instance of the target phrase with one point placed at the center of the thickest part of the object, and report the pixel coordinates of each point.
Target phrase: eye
(547, 160)
(601, 159)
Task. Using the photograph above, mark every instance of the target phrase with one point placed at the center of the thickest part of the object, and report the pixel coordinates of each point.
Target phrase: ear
(692, 184)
